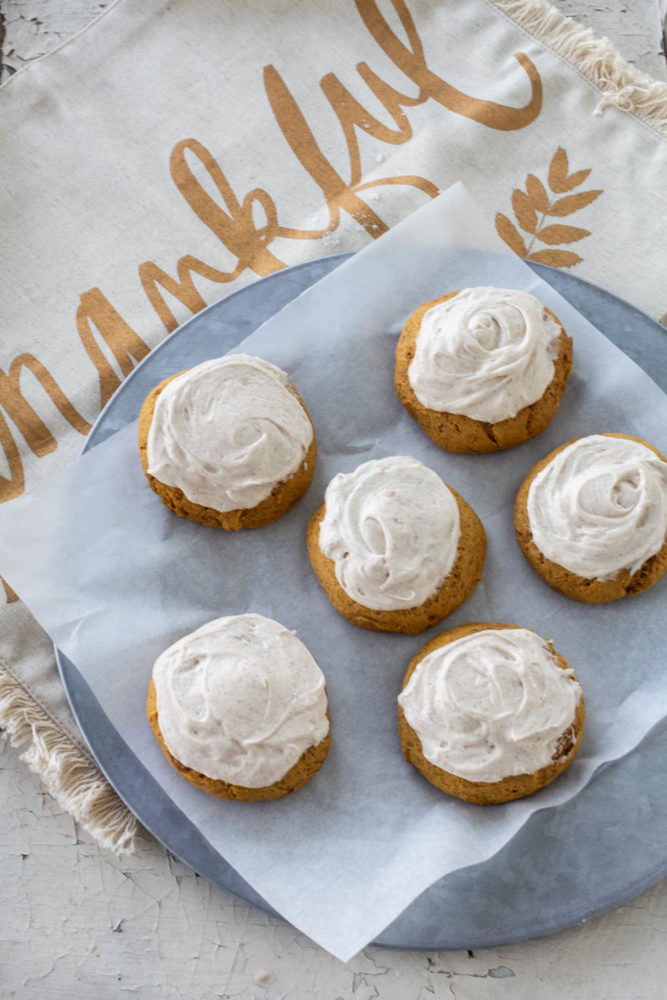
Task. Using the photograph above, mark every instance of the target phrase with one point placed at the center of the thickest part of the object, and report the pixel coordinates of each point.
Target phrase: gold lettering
(351, 113)
(126, 345)
(296, 130)
(232, 220)
(14, 486)
(235, 227)
(411, 61)
(407, 180)
(352, 116)
(53, 391)
(182, 288)
(10, 594)
(37, 435)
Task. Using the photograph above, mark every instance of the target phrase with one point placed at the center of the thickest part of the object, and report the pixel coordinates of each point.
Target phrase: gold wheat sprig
(535, 206)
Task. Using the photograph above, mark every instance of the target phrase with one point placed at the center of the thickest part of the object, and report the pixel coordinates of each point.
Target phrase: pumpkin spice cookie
(239, 709)
(228, 443)
(395, 548)
(490, 712)
(482, 369)
(591, 517)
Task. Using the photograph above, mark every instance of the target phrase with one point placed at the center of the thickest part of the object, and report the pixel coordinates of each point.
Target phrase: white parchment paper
(114, 577)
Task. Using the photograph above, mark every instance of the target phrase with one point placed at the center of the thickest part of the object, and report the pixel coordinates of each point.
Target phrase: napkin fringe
(623, 86)
(68, 774)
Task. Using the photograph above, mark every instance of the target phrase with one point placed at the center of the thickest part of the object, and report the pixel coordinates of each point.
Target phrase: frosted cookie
(239, 708)
(591, 517)
(482, 369)
(490, 712)
(394, 547)
(228, 443)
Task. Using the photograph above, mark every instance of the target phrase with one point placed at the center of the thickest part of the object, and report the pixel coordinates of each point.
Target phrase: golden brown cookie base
(454, 590)
(457, 433)
(486, 792)
(279, 501)
(308, 764)
(579, 588)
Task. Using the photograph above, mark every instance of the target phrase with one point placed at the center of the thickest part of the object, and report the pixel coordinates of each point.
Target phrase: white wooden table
(77, 923)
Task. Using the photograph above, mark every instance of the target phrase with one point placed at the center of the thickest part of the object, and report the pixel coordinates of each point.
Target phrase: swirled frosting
(227, 431)
(392, 528)
(240, 700)
(492, 704)
(600, 506)
(484, 353)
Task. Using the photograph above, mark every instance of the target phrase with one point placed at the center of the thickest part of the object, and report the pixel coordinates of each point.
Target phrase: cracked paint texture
(77, 923)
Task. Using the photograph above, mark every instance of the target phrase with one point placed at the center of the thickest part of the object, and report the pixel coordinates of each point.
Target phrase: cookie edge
(483, 792)
(459, 434)
(281, 499)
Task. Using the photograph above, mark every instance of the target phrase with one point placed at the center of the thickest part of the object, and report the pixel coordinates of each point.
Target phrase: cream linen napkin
(174, 151)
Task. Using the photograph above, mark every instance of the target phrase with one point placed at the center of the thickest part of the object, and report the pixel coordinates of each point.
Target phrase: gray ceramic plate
(512, 896)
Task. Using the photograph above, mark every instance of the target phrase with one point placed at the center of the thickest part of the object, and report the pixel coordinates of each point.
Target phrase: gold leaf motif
(537, 204)
(560, 181)
(558, 170)
(574, 180)
(537, 193)
(556, 258)
(573, 202)
(524, 211)
(552, 235)
(508, 232)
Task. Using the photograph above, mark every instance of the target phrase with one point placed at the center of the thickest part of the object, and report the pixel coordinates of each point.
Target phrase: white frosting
(492, 704)
(392, 528)
(485, 353)
(227, 431)
(240, 700)
(600, 506)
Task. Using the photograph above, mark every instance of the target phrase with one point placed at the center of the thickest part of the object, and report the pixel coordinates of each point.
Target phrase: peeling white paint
(77, 922)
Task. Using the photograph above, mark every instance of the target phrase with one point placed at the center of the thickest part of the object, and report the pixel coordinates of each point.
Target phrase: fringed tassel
(69, 775)
(622, 85)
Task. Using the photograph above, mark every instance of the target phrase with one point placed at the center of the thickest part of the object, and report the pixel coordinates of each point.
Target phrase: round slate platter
(509, 897)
